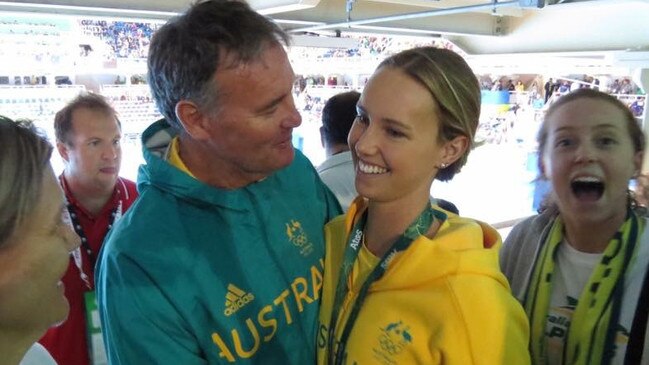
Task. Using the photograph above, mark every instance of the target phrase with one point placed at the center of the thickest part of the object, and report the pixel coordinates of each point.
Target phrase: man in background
(548, 89)
(221, 259)
(88, 136)
(337, 171)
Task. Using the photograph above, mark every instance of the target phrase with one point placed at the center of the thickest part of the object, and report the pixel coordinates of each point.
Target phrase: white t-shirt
(37, 355)
(338, 173)
(572, 271)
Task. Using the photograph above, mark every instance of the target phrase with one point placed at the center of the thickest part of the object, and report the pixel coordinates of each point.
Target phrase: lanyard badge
(335, 353)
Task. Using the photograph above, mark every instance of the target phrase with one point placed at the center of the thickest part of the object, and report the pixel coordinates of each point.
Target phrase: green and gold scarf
(593, 326)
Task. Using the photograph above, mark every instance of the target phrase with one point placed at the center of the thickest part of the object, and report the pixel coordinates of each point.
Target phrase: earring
(443, 165)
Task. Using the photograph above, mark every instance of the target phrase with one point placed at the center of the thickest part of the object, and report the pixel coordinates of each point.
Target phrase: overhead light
(267, 7)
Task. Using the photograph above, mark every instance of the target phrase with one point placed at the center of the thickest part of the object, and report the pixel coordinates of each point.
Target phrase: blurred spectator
(637, 107)
(337, 171)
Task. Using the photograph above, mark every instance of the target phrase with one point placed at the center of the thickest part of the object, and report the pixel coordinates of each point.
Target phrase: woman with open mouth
(579, 267)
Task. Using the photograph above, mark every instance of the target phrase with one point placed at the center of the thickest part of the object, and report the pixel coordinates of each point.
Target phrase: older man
(220, 261)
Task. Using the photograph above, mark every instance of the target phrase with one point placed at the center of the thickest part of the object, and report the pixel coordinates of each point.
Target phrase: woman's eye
(394, 133)
(362, 119)
(606, 141)
(563, 142)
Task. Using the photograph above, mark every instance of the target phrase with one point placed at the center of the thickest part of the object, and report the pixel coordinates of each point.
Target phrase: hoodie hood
(156, 142)
(442, 300)
(460, 247)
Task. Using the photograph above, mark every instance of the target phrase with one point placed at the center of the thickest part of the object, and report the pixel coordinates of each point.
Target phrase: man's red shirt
(68, 342)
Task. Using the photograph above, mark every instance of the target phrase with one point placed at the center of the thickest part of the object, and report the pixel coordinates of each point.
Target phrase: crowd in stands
(34, 103)
(32, 44)
(125, 39)
(637, 106)
(371, 47)
(31, 28)
(134, 106)
(130, 40)
(525, 104)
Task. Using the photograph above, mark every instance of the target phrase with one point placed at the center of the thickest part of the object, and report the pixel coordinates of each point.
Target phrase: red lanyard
(85, 244)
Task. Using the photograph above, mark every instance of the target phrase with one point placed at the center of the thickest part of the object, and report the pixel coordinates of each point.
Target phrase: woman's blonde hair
(24, 155)
(453, 86)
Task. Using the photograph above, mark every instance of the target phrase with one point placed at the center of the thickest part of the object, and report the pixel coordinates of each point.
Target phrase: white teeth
(587, 179)
(371, 169)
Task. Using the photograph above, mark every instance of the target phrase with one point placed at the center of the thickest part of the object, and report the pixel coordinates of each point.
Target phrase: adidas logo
(236, 299)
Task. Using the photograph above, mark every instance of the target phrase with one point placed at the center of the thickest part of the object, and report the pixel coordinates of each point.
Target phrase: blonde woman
(406, 282)
(35, 242)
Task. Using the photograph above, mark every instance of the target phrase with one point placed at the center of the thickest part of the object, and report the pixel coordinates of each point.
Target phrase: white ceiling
(596, 31)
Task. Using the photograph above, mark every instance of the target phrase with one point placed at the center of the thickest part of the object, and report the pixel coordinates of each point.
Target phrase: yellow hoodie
(441, 301)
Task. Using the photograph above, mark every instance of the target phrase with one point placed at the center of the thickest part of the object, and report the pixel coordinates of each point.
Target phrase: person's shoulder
(454, 223)
(143, 222)
(129, 187)
(336, 224)
(37, 355)
(297, 172)
(528, 222)
(301, 161)
(467, 237)
(128, 183)
(335, 232)
(521, 245)
(531, 225)
(337, 161)
(343, 222)
(325, 166)
(151, 233)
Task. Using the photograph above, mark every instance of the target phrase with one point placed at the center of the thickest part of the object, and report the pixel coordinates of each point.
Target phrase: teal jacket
(193, 274)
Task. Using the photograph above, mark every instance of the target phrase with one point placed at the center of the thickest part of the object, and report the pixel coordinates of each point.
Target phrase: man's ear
(322, 137)
(63, 150)
(195, 122)
(454, 149)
